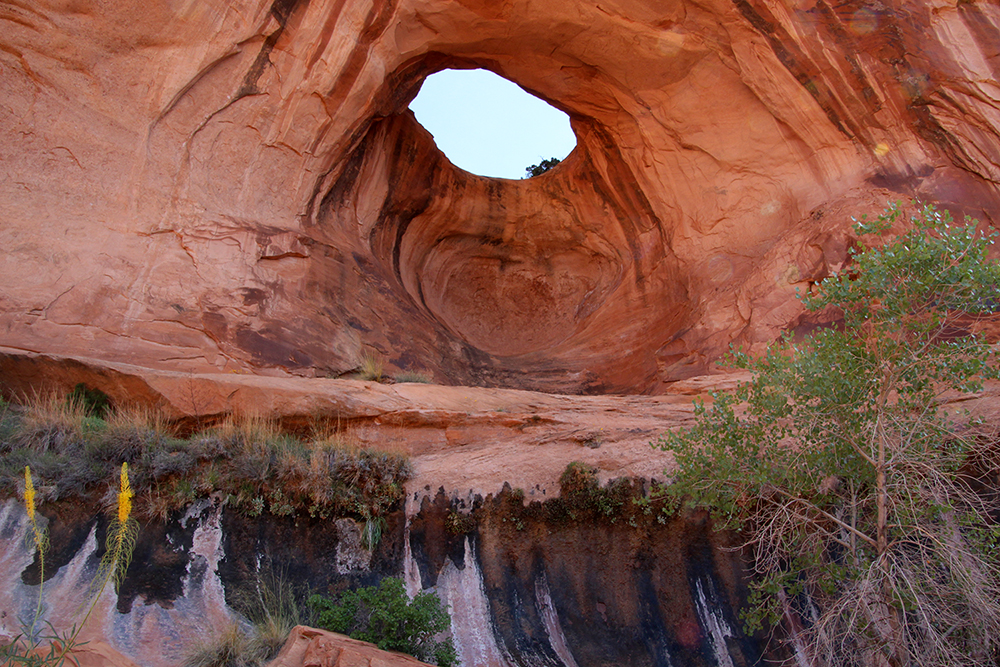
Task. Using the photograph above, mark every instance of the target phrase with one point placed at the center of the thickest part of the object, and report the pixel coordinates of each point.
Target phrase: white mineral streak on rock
(17, 601)
(66, 593)
(715, 625)
(792, 625)
(471, 627)
(550, 619)
(207, 545)
(411, 573)
(199, 614)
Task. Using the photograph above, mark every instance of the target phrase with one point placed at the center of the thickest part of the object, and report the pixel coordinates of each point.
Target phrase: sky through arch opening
(489, 126)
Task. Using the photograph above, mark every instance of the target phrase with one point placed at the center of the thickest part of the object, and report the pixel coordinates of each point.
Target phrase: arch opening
(490, 126)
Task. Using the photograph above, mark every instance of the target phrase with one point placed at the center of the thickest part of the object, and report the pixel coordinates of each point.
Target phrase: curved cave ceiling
(270, 204)
(518, 273)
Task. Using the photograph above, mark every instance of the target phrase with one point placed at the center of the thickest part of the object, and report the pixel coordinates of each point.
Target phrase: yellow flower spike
(120, 545)
(29, 495)
(124, 497)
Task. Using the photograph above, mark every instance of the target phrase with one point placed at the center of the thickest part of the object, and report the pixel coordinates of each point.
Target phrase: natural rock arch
(251, 193)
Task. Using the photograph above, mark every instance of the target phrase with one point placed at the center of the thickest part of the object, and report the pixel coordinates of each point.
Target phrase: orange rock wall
(239, 186)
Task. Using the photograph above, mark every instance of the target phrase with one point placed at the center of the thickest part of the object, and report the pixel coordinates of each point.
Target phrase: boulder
(309, 647)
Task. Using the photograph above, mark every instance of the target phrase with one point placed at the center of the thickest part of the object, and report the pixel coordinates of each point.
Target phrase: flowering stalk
(122, 533)
(40, 540)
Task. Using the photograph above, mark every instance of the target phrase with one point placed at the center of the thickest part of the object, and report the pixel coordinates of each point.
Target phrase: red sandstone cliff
(239, 185)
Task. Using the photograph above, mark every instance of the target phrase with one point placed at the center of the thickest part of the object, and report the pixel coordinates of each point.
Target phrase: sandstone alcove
(515, 277)
(489, 126)
(197, 196)
(253, 195)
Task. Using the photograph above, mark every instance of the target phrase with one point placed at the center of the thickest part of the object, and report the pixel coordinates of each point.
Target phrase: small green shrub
(386, 617)
(578, 479)
(582, 493)
(93, 402)
(459, 524)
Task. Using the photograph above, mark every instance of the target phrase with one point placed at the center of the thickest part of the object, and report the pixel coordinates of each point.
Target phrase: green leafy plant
(385, 616)
(859, 497)
(541, 167)
(94, 402)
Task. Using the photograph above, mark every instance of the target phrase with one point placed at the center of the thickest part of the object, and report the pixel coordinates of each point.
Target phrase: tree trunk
(894, 636)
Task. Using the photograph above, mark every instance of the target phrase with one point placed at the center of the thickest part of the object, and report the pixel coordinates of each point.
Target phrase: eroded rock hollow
(239, 186)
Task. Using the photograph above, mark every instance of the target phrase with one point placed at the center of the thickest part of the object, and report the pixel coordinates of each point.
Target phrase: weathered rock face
(239, 186)
(526, 585)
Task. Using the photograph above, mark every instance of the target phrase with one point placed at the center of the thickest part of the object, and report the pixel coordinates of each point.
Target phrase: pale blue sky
(488, 125)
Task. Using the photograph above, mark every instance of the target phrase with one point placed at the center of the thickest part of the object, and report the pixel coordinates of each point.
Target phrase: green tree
(856, 491)
(385, 616)
(541, 167)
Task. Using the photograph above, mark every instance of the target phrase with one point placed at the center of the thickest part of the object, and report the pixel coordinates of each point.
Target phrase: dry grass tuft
(50, 422)
(233, 647)
(371, 368)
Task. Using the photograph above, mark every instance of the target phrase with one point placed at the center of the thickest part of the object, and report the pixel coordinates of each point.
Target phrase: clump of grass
(233, 647)
(50, 422)
(415, 376)
(273, 607)
(371, 368)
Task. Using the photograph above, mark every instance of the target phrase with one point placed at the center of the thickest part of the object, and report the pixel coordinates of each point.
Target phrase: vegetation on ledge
(246, 461)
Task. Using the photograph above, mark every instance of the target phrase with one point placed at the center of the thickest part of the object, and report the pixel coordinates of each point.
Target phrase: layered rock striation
(239, 186)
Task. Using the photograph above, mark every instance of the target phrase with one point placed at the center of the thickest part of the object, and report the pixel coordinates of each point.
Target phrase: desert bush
(385, 616)
(847, 480)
